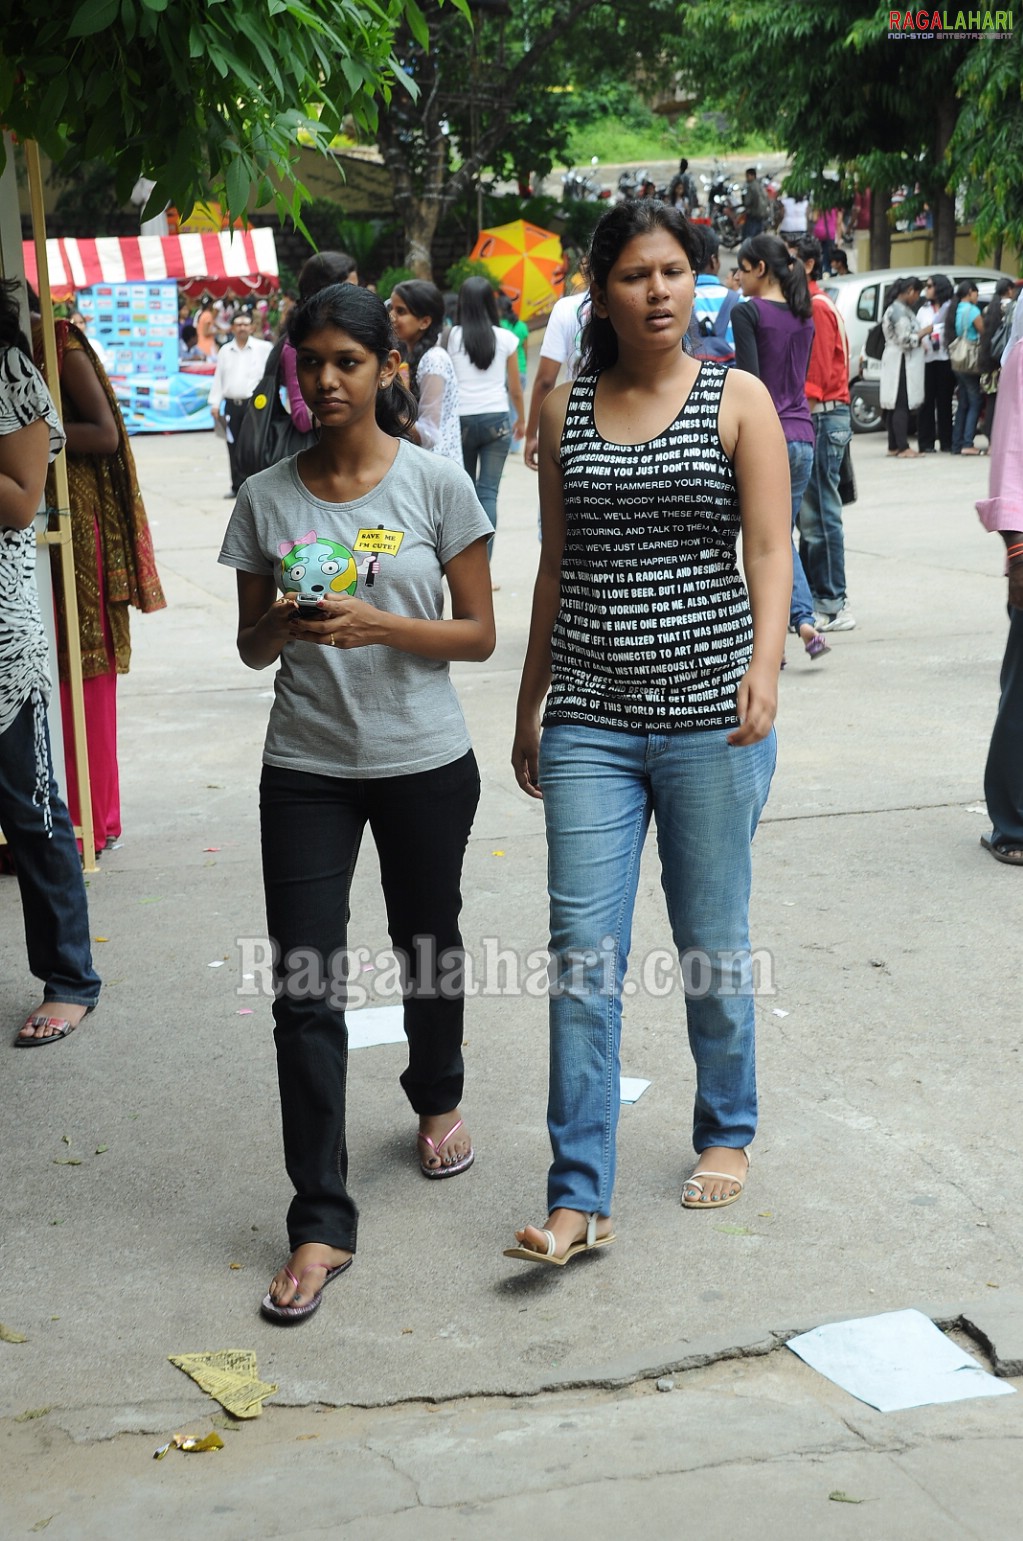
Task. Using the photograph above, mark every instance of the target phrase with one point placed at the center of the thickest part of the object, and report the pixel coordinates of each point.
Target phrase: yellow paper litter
(229, 1376)
(189, 1442)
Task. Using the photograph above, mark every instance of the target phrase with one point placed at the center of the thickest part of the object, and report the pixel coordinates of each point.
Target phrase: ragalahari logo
(936, 26)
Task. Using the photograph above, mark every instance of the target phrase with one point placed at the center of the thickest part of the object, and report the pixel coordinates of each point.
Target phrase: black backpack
(1000, 335)
(874, 345)
(267, 433)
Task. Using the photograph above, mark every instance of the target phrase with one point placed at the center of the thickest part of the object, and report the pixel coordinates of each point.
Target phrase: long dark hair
(780, 263)
(615, 229)
(11, 335)
(477, 316)
(363, 315)
(421, 299)
(323, 269)
(942, 286)
(962, 290)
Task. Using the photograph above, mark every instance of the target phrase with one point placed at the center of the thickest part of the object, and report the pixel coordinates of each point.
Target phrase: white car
(860, 298)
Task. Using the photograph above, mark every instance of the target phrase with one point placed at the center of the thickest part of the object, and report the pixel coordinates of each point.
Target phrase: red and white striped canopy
(239, 262)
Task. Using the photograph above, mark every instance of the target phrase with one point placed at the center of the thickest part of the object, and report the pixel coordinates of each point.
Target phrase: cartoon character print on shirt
(314, 565)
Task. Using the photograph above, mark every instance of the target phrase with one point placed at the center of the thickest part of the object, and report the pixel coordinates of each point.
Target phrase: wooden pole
(60, 517)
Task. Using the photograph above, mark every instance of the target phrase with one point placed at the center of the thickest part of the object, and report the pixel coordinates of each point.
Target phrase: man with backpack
(755, 204)
(710, 333)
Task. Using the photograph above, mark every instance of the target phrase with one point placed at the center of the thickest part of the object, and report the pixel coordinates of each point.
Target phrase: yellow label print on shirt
(386, 542)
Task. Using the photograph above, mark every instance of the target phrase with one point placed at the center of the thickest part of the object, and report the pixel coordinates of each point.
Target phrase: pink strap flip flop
(289, 1315)
(461, 1165)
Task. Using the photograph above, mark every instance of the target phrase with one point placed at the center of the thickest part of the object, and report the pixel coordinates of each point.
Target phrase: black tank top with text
(654, 630)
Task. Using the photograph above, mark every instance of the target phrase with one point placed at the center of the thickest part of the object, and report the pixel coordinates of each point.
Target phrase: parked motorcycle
(722, 197)
(583, 186)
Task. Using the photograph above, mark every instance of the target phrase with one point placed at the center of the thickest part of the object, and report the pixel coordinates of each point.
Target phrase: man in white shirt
(240, 366)
(561, 345)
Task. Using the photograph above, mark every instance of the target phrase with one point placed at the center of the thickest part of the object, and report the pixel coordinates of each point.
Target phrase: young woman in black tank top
(660, 667)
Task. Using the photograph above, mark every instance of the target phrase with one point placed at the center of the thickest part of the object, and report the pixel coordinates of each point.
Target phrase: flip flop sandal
(61, 1029)
(1001, 850)
(289, 1316)
(461, 1165)
(701, 1202)
(592, 1242)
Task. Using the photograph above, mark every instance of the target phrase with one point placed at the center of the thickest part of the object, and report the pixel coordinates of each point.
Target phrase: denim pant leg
(485, 440)
(800, 462)
(421, 825)
(311, 829)
(967, 412)
(708, 796)
(49, 868)
(1003, 775)
(821, 534)
(597, 810)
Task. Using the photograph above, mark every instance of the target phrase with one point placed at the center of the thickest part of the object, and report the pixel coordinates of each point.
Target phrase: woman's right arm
(744, 320)
(24, 457)
(536, 670)
(264, 621)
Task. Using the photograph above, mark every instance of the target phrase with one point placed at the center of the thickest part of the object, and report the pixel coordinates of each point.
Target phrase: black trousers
(312, 828)
(234, 413)
(898, 417)
(934, 417)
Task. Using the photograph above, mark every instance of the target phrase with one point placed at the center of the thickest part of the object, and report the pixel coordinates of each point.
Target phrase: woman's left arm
(469, 635)
(515, 391)
(752, 436)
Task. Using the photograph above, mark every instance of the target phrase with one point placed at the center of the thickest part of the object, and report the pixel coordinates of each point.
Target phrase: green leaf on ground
(101, 1150)
(735, 1230)
(67, 1161)
(33, 1412)
(838, 1497)
(8, 1335)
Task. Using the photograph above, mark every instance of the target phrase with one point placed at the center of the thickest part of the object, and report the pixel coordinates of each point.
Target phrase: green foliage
(986, 151)
(87, 203)
(468, 267)
(201, 97)
(391, 276)
(330, 229)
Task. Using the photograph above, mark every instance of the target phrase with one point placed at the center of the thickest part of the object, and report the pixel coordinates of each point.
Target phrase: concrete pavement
(886, 1172)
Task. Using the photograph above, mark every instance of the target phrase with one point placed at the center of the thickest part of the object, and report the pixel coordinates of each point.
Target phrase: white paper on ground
(894, 1361)
(375, 1024)
(633, 1087)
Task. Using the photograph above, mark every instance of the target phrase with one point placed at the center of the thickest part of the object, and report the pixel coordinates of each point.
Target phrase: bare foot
(718, 1159)
(567, 1226)
(309, 1264)
(449, 1146)
(52, 1011)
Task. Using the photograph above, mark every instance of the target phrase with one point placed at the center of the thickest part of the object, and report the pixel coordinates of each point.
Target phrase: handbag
(964, 356)
(267, 433)
(847, 478)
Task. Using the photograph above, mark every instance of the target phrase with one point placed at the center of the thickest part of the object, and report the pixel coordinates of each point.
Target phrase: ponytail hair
(962, 290)
(11, 335)
(780, 263)
(363, 315)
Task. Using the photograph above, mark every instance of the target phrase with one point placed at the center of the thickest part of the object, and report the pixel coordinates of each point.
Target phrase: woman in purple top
(773, 337)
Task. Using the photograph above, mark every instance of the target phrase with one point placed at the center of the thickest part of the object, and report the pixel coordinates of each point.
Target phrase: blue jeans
(600, 788)
(800, 465)
(821, 536)
(486, 437)
(967, 411)
(48, 866)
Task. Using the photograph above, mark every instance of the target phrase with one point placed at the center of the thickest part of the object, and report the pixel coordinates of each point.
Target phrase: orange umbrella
(528, 263)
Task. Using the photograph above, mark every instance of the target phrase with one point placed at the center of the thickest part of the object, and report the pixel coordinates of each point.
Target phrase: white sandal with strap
(591, 1243)
(701, 1202)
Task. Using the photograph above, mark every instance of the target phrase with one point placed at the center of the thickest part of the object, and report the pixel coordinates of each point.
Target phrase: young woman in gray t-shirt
(365, 728)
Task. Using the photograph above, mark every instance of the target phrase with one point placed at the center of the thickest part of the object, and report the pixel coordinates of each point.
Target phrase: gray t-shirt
(367, 711)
